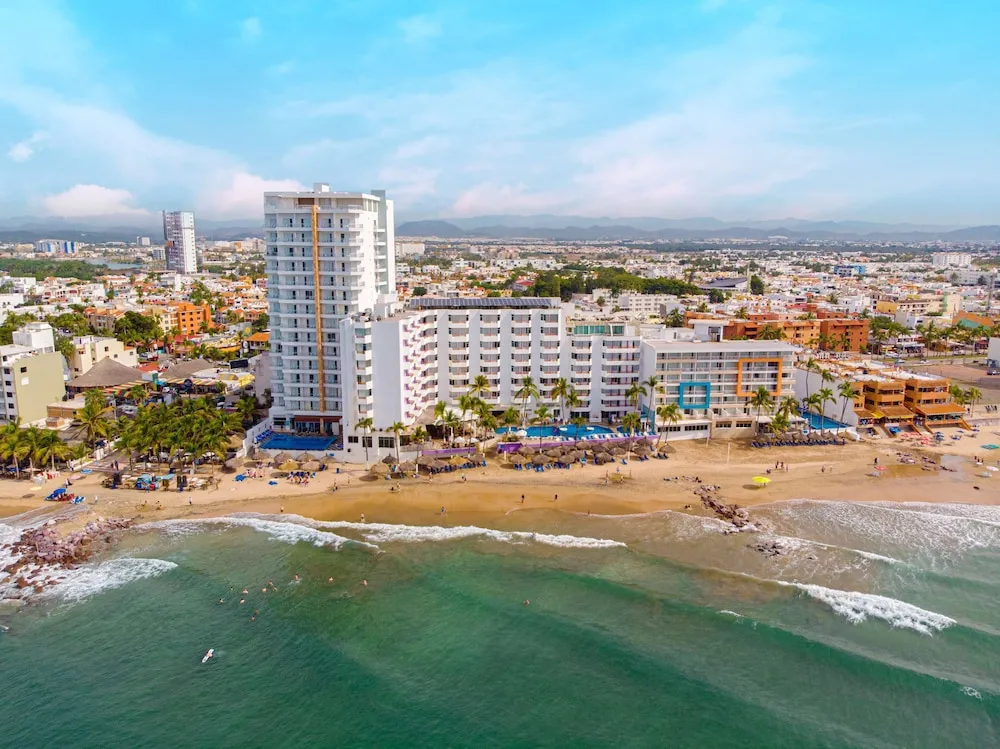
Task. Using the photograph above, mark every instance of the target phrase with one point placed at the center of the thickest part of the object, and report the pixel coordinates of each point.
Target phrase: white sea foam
(289, 531)
(727, 612)
(970, 692)
(858, 607)
(795, 542)
(89, 580)
(390, 533)
(386, 533)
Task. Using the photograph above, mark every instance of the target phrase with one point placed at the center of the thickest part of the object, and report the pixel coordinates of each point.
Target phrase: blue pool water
(569, 430)
(295, 442)
(816, 421)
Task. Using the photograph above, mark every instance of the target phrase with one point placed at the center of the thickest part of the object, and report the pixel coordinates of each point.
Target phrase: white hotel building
(329, 256)
(354, 353)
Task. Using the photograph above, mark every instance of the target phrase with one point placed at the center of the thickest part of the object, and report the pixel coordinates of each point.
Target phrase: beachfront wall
(840, 409)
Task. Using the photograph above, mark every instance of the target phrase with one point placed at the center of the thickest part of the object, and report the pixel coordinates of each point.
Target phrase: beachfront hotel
(406, 362)
(329, 256)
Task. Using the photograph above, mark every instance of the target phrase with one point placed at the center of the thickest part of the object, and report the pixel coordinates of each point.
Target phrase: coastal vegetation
(43, 268)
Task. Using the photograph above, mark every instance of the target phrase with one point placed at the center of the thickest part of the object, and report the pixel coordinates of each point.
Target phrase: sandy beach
(474, 496)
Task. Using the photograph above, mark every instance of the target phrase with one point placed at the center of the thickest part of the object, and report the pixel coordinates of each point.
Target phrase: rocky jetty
(767, 548)
(732, 513)
(41, 551)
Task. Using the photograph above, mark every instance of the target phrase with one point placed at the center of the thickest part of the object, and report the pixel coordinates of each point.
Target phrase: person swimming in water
(365, 583)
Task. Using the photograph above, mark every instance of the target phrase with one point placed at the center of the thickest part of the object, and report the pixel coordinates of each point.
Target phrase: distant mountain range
(578, 228)
(545, 226)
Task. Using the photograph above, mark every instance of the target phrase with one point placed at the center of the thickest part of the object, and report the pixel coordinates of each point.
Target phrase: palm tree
(671, 414)
(848, 393)
(419, 435)
(480, 386)
(366, 425)
(810, 366)
(542, 416)
(527, 391)
(137, 393)
(51, 448)
(10, 445)
(510, 417)
(560, 391)
(780, 424)
(631, 423)
(825, 395)
(451, 422)
(246, 408)
(652, 385)
(466, 403)
(634, 394)
(572, 401)
(93, 419)
(788, 406)
(398, 428)
(973, 395)
(813, 404)
(762, 401)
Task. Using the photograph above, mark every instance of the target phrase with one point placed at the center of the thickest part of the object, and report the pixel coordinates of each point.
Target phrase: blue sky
(844, 109)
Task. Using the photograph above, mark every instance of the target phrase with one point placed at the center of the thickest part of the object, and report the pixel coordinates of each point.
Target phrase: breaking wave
(858, 607)
(89, 580)
(290, 531)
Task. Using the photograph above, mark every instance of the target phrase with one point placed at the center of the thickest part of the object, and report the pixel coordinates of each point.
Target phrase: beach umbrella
(328, 460)
(526, 450)
(408, 467)
(301, 457)
(518, 460)
(617, 450)
(310, 465)
(603, 458)
(280, 458)
(289, 465)
(389, 460)
(761, 480)
(458, 461)
(438, 465)
(641, 450)
(425, 460)
(540, 460)
(380, 469)
(554, 453)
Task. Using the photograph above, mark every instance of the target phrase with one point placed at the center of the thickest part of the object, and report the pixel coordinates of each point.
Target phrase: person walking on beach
(522, 499)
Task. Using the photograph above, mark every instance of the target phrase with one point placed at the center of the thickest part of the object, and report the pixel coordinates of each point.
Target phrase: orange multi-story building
(799, 332)
(191, 317)
(843, 334)
(928, 397)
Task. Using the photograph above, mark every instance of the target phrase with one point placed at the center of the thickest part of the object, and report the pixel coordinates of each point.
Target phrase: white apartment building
(179, 241)
(401, 365)
(951, 259)
(329, 257)
(648, 304)
(90, 349)
(31, 372)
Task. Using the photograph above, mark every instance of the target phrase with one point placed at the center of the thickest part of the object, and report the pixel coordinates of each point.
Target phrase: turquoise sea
(878, 626)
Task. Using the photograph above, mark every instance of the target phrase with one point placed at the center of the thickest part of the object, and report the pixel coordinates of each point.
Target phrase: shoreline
(822, 473)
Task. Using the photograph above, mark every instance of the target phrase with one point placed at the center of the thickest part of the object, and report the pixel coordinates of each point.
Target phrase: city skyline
(732, 108)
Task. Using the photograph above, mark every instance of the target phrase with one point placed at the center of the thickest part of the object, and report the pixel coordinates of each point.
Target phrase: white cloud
(26, 148)
(419, 29)
(92, 200)
(279, 70)
(488, 198)
(242, 195)
(250, 29)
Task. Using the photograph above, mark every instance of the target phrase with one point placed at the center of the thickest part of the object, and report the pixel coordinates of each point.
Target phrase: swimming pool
(817, 421)
(294, 442)
(568, 430)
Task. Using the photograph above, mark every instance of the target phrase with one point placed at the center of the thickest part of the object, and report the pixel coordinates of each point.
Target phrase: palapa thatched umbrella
(574, 455)
(527, 450)
(389, 460)
(437, 465)
(641, 450)
(289, 465)
(408, 467)
(458, 461)
(540, 460)
(329, 460)
(302, 457)
(425, 460)
(618, 451)
(310, 465)
(280, 458)
(554, 453)
(518, 460)
(603, 458)
(380, 469)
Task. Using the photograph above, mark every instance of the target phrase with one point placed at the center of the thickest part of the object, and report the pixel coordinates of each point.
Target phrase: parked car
(993, 371)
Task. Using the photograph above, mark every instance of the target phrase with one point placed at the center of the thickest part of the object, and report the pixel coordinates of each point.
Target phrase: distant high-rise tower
(178, 236)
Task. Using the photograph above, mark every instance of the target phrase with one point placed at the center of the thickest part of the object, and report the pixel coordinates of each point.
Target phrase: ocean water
(878, 626)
